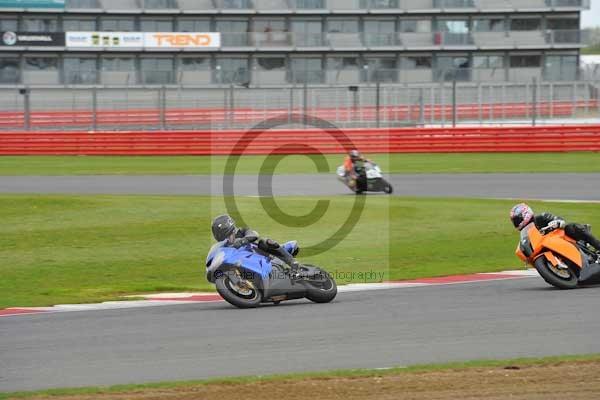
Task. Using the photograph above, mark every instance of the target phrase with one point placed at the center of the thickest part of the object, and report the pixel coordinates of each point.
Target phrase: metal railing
(237, 107)
(279, 74)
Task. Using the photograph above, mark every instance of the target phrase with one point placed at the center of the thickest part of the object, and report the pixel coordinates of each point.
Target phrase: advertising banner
(55, 4)
(44, 39)
(164, 40)
(105, 39)
(183, 40)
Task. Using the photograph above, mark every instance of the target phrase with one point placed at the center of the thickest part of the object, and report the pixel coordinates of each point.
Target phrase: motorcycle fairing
(556, 241)
(245, 257)
(291, 247)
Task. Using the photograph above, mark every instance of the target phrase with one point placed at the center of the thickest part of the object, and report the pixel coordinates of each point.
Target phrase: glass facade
(307, 41)
(10, 69)
(255, 69)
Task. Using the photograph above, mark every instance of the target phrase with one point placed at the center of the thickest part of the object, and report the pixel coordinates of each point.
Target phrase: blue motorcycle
(249, 276)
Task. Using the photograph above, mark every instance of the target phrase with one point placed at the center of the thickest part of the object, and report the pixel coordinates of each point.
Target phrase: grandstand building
(283, 42)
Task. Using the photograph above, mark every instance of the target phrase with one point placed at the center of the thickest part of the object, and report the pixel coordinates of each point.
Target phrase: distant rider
(522, 215)
(349, 166)
(224, 229)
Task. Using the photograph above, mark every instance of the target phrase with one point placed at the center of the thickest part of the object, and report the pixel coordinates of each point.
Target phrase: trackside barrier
(420, 140)
(206, 116)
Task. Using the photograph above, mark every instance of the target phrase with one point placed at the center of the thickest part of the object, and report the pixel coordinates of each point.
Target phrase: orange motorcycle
(562, 261)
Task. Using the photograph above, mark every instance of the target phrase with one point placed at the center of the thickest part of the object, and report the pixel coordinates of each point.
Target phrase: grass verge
(392, 163)
(522, 378)
(77, 249)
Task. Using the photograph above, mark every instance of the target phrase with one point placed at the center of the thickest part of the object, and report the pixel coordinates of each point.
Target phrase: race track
(373, 329)
(584, 187)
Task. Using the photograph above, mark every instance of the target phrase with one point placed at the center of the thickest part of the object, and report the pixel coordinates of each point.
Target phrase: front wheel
(321, 291)
(559, 277)
(242, 293)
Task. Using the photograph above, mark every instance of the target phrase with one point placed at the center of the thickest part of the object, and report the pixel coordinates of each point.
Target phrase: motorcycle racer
(224, 229)
(349, 163)
(522, 215)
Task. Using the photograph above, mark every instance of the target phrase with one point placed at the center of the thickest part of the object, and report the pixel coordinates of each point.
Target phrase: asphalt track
(583, 187)
(374, 329)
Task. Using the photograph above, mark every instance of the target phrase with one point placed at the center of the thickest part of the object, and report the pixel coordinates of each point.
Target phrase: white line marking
(159, 299)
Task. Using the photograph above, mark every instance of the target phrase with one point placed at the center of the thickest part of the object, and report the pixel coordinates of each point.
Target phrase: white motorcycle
(369, 178)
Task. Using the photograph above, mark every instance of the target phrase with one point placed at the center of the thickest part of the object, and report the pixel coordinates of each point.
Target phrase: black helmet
(354, 154)
(222, 227)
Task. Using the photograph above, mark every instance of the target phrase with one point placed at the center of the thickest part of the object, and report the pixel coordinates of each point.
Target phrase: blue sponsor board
(58, 4)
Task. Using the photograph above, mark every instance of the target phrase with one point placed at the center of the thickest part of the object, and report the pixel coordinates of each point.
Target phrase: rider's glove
(558, 223)
(239, 242)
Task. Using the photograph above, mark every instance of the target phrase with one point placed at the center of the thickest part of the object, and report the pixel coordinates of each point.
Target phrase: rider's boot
(276, 249)
(589, 273)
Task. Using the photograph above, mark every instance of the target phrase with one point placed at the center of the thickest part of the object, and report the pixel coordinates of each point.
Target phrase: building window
(270, 32)
(194, 63)
(380, 32)
(79, 24)
(343, 63)
(157, 71)
(458, 26)
(160, 4)
(39, 24)
(379, 4)
(307, 70)
(526, 24)
(451, 68)
(336, 25)
(415, 25)
(233, 32)
(236, 4)
(560, 67)
(269, 25)
(488, 25)
(488, 61)
(118, 64)
(156, 25)
(194, 25)
(9, 24)
(307, 33)
(416, 62)
(80, 70)
(270, 63)
(382, 69)
(310, 4)
(232, 70)
(526, 61)
(117, 25)
(82, 4)
(565, 23)
(10, 71)
(41, 63)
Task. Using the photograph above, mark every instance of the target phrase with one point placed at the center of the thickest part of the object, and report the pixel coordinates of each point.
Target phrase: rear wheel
(321, 291)
(237, 291)
(561, 277)
(387, 188)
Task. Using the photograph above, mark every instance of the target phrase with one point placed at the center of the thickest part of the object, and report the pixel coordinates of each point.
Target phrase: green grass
(394, 163)
(591, 50)
(73, 249)
(355, 373)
